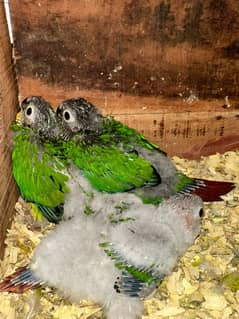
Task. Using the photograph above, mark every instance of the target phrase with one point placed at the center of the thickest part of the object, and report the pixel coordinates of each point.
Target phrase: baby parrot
(114, 260)
(104, 149)
(37, 172)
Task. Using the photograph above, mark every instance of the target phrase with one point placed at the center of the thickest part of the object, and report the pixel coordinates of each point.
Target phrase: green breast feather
(37, 174)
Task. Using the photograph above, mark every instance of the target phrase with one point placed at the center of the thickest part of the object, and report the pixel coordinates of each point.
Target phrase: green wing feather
(183, 182)
(109, 169)
(129, 139)
(37, 173)
(109, 160)
(134, 280)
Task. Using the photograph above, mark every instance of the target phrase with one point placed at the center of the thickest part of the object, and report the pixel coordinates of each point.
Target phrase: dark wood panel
(8, 106)
(147, 48)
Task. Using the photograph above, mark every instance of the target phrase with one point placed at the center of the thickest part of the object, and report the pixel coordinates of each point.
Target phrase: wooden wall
(8, 107)
(166, 67)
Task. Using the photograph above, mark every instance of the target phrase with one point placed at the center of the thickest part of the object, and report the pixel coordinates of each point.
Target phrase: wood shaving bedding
(204, 284)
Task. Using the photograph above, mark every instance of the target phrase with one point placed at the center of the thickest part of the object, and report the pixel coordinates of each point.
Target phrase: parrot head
(38, 114)
(79, 116)
(190, 208)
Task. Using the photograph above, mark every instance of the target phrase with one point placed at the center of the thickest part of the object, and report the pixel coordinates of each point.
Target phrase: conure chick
(39, 175)
(116, 158)
(115, 262)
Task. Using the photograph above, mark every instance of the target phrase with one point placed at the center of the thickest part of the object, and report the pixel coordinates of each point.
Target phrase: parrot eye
(68, 117)
(29, 111)
(201, 213)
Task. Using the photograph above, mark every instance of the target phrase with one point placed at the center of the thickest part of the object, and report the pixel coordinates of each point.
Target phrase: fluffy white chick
(115, 259)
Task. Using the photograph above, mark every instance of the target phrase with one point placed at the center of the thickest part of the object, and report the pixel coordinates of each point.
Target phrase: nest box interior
(170, 69)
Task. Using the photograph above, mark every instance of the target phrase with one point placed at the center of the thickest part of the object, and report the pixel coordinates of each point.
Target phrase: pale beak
(19, 117)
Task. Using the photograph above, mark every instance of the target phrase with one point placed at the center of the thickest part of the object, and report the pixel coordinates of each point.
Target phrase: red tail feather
(212, 190)
(20, 281)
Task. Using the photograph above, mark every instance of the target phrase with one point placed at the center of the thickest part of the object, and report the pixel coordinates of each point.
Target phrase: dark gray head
(79, 115)
(38, 114)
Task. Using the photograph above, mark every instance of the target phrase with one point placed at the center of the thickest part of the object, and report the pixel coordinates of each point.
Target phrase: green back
(37, 173)
(109, 160)
(108, 168)
(117, 133)
(128, 139)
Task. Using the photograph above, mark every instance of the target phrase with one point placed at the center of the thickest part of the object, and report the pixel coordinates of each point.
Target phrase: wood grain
(147, 48)
(8, 103)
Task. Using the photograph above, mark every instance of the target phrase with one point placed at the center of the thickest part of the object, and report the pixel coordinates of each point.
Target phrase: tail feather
(52, 214)
(20, 281)
(209, 191)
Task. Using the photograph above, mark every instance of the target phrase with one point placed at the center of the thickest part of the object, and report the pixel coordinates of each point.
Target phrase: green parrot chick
(83, 121)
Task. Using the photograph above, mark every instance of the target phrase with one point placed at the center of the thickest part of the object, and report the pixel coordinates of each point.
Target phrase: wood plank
(8, 106)
(146, 48)
(181, 127)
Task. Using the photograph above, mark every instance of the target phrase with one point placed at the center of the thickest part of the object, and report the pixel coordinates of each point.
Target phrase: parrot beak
(18, 117)
(59, 110)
